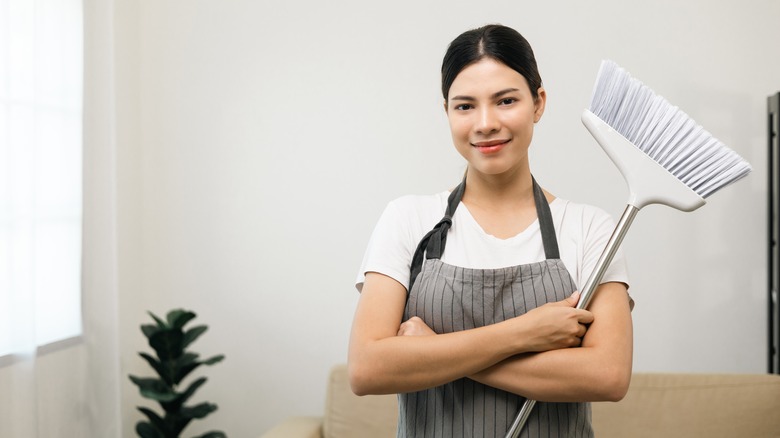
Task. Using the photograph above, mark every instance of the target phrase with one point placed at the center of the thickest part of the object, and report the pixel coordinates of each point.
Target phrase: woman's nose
(487, 122)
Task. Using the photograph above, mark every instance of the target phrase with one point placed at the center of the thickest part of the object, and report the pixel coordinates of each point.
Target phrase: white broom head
(664, 132)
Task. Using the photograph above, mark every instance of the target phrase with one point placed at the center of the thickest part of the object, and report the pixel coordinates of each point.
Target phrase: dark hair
(495, 41)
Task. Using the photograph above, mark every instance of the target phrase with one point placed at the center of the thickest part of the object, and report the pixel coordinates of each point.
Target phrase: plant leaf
(178, 318)
(199, 410)
(187, 358)
(178, 424)
(167, 344)
(213, 360)
(186, 368)
(162, 371)
(213, 434)
(176, 404)
(182, 366)
(160, 322)
(192, 334)
(156, 420)
(192, 388)
(154, 389)
(149, 329)
(146, 430)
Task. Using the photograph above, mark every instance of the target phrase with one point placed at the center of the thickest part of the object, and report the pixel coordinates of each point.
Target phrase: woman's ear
(539, 103)
(445, 105)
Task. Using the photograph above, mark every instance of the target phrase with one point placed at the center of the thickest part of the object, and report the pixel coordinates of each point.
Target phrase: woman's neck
(502, 205)
(498, 192)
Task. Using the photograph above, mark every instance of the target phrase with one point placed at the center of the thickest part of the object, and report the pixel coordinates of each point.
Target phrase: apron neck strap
(546, 225)
(432, 244)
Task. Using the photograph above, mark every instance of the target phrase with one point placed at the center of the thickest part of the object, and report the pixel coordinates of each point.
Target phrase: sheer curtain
(40, 172)
(99, 271)
(73, 387)
(40, 197)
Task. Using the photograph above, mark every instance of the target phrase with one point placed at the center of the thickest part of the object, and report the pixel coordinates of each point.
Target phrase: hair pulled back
(495, 41)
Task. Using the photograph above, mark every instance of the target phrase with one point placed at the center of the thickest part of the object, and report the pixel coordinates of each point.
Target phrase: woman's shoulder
(420, 205)
(581, 214)
(411, 215)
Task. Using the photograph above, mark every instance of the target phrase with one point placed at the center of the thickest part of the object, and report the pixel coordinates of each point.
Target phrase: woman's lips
(490, 146)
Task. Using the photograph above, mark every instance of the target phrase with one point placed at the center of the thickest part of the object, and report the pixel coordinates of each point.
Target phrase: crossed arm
(529, 355)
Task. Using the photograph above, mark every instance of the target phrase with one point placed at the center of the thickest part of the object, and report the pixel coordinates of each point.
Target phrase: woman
(491, 270)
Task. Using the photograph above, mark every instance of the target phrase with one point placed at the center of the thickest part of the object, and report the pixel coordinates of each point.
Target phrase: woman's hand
(556, 325)
(389, 355)
(600, 370)
(415, 326)
(550, 327)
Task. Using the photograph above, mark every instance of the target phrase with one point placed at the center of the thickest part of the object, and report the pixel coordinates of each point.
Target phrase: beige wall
(259, 143)
(263, 141)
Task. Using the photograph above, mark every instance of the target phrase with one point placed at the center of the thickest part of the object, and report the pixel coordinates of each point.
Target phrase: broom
(664, 156)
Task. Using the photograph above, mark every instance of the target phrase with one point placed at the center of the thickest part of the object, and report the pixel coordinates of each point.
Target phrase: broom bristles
(664, 132)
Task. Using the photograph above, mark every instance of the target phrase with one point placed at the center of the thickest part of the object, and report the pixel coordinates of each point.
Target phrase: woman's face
(492, 113)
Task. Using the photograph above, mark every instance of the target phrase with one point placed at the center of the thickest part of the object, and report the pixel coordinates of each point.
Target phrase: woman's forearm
(383, 359)
(412, 363)
(568, 375)
(600, 370)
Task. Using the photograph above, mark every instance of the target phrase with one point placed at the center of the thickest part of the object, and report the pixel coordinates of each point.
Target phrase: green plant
(172, 364)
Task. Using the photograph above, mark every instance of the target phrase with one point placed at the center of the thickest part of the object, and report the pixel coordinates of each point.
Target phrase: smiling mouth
(490, 146)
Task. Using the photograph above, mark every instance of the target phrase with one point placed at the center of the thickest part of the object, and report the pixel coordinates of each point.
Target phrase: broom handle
(606, 257)
(585, 296)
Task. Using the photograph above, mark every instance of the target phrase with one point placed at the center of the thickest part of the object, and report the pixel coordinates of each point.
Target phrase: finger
(581, 330)
(573, 298)
(584, 317)
(570, 301)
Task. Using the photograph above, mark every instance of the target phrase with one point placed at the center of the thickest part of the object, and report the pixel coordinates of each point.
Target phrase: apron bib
(451, 298)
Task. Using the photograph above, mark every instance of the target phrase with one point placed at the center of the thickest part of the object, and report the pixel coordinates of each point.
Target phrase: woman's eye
(463, 107)
(507, 101)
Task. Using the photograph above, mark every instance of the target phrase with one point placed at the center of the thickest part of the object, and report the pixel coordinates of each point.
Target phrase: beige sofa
(657, 405)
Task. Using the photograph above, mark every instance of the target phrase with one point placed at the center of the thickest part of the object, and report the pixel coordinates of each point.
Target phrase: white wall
(261, 141)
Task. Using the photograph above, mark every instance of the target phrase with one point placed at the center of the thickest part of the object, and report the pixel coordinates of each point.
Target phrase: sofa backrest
(350, 416)
(693, 405)
(657, 405)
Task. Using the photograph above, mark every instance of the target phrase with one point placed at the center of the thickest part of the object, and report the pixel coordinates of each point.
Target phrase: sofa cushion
(693, 405)
(657, 405)
(350, 416)
(296, 427)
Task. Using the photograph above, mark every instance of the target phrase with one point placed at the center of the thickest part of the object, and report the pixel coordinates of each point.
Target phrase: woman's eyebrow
(495, 95)
(503, 92)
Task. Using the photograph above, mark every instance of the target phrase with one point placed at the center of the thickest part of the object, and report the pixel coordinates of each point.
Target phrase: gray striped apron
(451, 298)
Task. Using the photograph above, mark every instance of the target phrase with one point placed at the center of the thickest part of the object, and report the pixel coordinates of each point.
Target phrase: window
(40, 172)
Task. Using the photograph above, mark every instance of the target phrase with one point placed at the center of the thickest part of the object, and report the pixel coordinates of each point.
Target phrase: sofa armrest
(297, 427)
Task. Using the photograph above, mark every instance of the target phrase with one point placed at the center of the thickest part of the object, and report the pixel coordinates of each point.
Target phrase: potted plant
(173, 363)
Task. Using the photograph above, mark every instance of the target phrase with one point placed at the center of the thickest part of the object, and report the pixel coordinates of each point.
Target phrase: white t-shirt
(582, 232)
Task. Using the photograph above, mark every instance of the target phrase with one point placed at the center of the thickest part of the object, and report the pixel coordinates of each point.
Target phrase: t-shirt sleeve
(390, 248)
(597, 234)
(597, 231)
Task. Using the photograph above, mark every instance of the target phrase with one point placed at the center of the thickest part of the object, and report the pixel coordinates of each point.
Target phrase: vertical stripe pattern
(450, 299)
